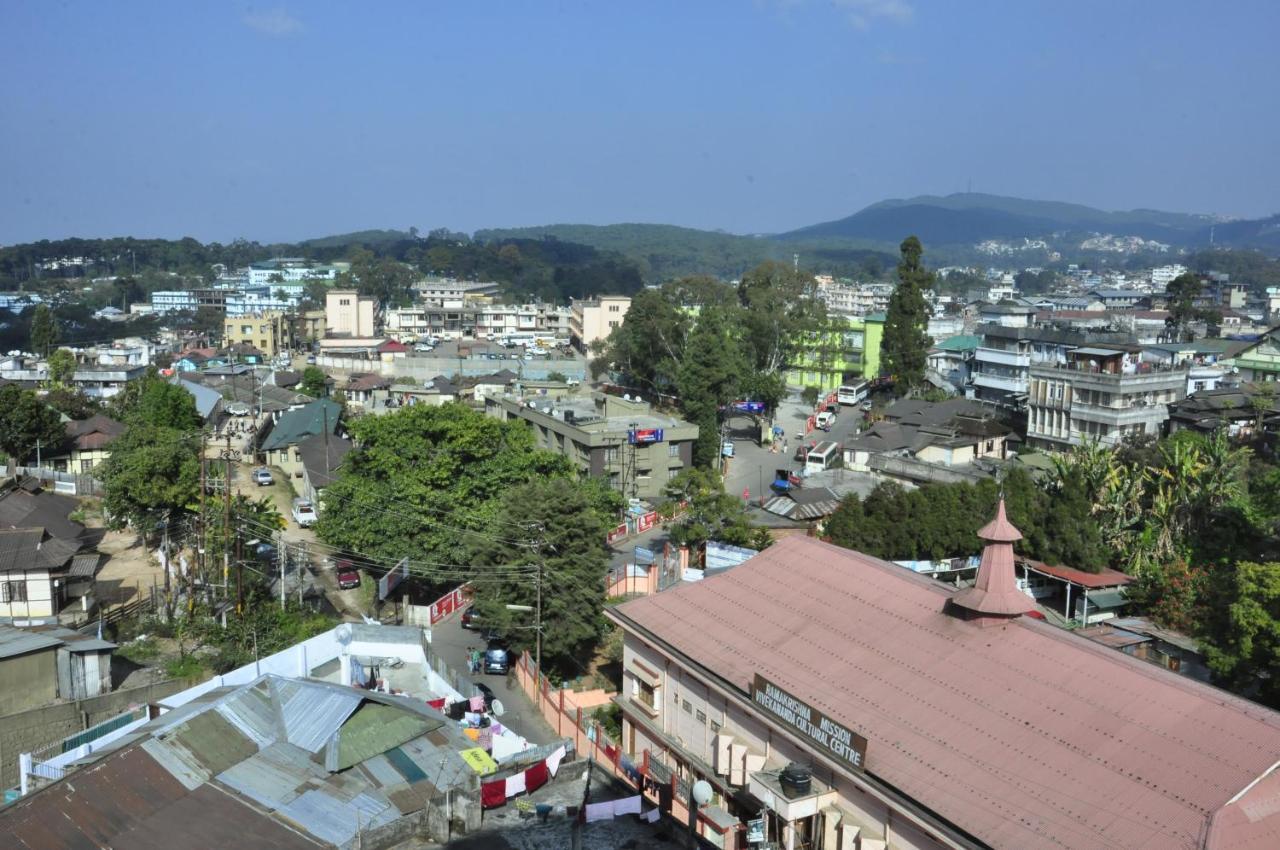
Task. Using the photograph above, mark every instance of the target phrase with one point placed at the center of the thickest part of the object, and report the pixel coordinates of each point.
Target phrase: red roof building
(930, 717)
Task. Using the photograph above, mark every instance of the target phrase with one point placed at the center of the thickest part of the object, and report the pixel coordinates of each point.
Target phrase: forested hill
(553, 270)
(665, 252)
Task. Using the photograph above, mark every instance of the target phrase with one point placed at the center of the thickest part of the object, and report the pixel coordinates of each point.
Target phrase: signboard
(646, 521)
(392, 579)
(748, 406)
(644, 556)
(644, 436)
(835, 739)
(755, 831)
(617, 534)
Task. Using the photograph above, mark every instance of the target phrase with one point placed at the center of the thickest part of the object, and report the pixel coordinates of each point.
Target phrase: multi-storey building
(830, 359)
(1259, 360)
(622, 440)
(433, 288)
(289, 270)
(596, 318)
(855, 299)
(348, 313)
(270, 332)
(1100, 395)
(1003, 359)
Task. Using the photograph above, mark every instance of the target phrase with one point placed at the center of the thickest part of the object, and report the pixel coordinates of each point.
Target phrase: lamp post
(699, 795)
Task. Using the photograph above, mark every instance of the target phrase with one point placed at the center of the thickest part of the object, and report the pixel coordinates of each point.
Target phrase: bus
(823, 456)
(517, 340)
(853, 393)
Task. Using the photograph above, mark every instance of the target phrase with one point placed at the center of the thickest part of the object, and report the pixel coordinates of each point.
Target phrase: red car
(348, 575)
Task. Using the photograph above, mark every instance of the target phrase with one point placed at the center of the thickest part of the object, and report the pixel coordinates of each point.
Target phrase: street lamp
(699, 795)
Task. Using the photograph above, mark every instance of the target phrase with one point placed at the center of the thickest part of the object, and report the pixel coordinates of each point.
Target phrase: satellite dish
(702, 792)
(343, 634)
(496, 709)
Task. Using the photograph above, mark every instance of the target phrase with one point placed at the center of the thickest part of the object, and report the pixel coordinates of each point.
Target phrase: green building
(830, 359)
(1260, 360)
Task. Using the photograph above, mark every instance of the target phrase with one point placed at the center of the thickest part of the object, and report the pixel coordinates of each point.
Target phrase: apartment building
(855, 299)
(596, 318)
(271, 332)
(348, 313)
(827, 360)
(452, 318)
(1003, 359)
(289, 270)
(1100, 394)
(619, 439)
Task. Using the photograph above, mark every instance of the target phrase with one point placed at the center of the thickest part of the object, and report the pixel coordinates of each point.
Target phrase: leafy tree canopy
(152, 472)
(25, 422)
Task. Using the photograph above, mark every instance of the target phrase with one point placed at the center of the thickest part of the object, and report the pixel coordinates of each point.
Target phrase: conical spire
(995, 591)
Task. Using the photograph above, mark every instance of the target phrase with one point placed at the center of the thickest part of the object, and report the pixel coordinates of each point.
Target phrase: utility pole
(228, 454)
(537, 614)
(280, 556)
(200, 526)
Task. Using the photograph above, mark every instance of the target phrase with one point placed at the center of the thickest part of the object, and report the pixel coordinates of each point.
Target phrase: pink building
(929, 718)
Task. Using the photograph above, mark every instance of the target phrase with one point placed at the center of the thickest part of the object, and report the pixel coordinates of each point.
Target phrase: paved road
(452, 642)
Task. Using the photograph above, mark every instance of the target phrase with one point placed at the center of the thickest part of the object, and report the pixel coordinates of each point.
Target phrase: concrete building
(87, 445)
(105, 381)
(827, 360)
(47, 560)
(1100, 394)
(348, 313)
(619, 439)
(952, 359)
(434, 288)
(281, 445)
(270, 333)
(289, 270)
(834, 700)
(1259, 360)
(42, 664)
(596, 318)
(1242, 409)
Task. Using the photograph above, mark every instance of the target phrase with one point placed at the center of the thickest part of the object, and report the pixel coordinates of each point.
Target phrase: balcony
(1003, 357)
(1000, 382)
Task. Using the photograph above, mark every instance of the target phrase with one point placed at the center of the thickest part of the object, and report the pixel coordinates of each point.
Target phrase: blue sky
(274, 122)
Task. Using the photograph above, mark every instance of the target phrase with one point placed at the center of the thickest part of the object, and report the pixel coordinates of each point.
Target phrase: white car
(304, 513)
(424, 346)
(262, 477)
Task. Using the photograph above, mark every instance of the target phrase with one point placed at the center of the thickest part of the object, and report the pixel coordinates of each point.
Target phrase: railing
(50, 762)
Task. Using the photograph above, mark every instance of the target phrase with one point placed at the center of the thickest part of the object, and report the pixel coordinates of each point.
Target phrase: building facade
(596, 318)
(348, 313)
(827, 360)
(1100, 395)
(618, 439)
(271, 332)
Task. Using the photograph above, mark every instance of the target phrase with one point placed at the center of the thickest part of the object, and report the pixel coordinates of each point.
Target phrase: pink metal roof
(1000, 530)
(1105, 578)
(1024, 735)
(995, 590)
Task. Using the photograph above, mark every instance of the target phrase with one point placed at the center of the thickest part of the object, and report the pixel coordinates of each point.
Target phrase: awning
(1107, 598)
(84, 566)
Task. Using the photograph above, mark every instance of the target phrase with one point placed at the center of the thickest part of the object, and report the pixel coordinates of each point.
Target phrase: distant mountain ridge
(969, 217)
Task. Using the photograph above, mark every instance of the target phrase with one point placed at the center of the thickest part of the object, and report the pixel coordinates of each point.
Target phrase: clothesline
(496, 793)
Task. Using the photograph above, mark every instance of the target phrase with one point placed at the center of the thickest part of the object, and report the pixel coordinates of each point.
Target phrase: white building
(1163, 275)
(289, 270)
(173, 300)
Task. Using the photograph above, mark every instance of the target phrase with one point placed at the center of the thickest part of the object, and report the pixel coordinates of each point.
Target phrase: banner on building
(644, 436)
(748, 406)
(619, 532)
(450, 602)
(644, 522)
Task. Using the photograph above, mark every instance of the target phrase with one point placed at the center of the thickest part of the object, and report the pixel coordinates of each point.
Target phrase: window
(86, 466)
(715, 727)
(701, 715)
(613, 308)
(673, 450)
(687, 706)
(613, 324)
(13, 591)
(646, 694)
(344, 302)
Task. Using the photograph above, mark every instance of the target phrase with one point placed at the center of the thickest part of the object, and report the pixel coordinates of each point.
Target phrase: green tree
(553, 522)
(71, 403)
(648, 347)
(1182, 293)
(780, 311)
(314, 382)
(809, 395)
(423, 481)
(709, 379)
(62, 366)
(557, 376)
(44, 330)
(25, 423)
(153, 472)
(710, 513)
(904, 347)
(165, 405)
(1244, 651)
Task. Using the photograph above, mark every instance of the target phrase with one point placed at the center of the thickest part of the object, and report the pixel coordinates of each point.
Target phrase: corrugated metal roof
(1025, 736)
(312, 714)
(335, 821)
(275, 776)
(253, 711)
(15, 641)
(376, 728)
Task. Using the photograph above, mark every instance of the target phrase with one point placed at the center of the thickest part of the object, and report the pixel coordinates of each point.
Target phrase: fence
(564, 712)
(49, 763)
(68, 483)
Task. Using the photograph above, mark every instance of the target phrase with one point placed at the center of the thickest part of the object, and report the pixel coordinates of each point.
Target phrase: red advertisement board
(617, 534)
(450, 602)
(646, 521)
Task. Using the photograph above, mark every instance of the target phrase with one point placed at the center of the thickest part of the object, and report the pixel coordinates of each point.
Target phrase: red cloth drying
(536, 776)
(493, 794)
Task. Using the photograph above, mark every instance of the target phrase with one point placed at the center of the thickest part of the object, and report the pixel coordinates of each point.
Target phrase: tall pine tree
(904, 347)
(710, 376)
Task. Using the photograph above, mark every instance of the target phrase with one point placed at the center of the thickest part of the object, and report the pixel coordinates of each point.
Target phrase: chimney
(994, 596)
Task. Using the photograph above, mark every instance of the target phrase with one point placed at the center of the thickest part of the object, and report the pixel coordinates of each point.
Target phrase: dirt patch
(130, 570)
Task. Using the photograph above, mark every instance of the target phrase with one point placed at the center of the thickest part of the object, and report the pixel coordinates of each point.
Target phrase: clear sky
(224, 120)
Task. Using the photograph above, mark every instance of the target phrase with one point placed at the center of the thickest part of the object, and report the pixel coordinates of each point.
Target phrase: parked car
(311, 360)
(424, 346)
(497, 660)
(573, 382)
(348, 575)
(826, 420)
(262, 477)
(237, 408)
(471, 618)
(304, 513)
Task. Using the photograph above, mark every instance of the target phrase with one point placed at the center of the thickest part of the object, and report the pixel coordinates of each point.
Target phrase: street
(452, 642)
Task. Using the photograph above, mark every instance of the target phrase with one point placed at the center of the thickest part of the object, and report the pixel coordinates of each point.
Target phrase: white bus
(853, 393)
(517, 340)
(821, 457)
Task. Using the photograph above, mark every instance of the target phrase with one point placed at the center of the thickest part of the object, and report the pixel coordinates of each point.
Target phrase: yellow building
(270, 332)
